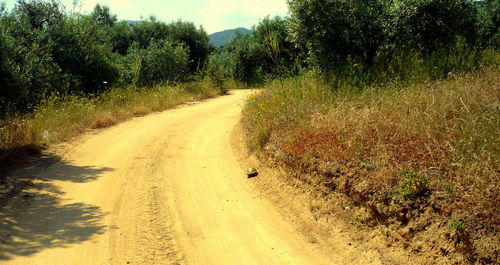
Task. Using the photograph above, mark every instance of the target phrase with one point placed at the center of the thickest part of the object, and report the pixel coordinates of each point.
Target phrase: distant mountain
(219, 39)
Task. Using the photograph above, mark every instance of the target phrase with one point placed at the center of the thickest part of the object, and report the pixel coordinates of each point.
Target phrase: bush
(282, 58)
(47, 51)
(488, 23)
(196, 40)
(219, 69)
(249, 58)
(82, 51)
(429, 25)
(28, 70)
(162, 61)
(334, 30)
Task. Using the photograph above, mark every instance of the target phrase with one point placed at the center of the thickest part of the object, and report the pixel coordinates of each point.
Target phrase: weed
(457, 224)
(448, 187)
(414, 185)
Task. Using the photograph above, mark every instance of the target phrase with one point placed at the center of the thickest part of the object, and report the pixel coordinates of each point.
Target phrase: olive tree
(429, 25)
(335, 30)
(161, 61)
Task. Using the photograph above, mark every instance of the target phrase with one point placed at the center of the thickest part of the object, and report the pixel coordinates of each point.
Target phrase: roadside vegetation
(62, 117)
(62, 72)
(394, 112)
(390, 107)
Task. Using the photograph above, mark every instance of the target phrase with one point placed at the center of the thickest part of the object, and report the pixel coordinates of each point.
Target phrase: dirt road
(161, 189)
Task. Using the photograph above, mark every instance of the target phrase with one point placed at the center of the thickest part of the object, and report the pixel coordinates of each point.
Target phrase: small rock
(252, 172)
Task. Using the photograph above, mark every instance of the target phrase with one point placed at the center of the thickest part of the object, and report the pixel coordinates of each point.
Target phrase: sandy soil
(167, 188)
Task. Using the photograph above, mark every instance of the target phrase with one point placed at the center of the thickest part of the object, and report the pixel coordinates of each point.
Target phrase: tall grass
(445, 131)
(61, 117)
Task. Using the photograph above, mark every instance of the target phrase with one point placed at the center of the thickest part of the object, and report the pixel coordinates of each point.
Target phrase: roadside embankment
(416, 163)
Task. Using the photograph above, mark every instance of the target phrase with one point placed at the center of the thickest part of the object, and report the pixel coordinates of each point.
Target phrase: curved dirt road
(161, 189)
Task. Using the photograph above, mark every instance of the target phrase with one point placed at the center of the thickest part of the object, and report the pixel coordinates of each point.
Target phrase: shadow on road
(37, 218)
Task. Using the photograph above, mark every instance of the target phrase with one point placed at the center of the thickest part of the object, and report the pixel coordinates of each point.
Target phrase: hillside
(219, 39)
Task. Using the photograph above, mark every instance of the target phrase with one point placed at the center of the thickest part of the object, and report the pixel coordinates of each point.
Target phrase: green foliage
(334, 30)
(103, 16)
(28, 69)
(45, 50)
(122, 37)
(195, 39)
(457, 224)
(162, 61)
(341, 33)
(428, 25)
(414, 184)
(488, 23)
(82, 52)
(219, 69)
(249, 57)
(48, 51)
(265, 53)
(282, 56)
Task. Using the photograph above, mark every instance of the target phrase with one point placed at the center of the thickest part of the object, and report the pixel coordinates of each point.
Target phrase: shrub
(218, 69)
(195, 39)
(428, 25)
(414, 184)
(47, 51)
(162, 61)
(249, 58)
(488, 23)
(334, 30)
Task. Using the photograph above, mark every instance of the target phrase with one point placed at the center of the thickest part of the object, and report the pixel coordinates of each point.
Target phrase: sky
(214, 15)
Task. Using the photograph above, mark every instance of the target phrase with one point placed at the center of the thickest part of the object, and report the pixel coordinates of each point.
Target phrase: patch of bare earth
(319, 215)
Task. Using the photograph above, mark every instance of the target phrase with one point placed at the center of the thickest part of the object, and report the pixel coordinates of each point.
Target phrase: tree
(122, 37)
(219, 67)
(335, 30)
(196, 40)
(103, 16)
(39, 13)
(283, 57)
(249, 58)
(488, 23)
(27, 69)
(428, 25)
(161, 61)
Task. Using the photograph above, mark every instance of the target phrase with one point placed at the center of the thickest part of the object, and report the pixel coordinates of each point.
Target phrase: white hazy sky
(214, 15)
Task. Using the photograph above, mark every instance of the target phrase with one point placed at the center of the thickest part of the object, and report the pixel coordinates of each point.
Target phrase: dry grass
(62, 117)
(389, 146)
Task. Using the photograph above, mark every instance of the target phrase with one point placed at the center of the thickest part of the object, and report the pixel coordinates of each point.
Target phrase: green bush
(429, 25)
(249, 58)
(195, 39)
(488, 23)
(27, 69)
(335, 30)
(162, 61)
(46, 51)
(219, 69)
(82, 51)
